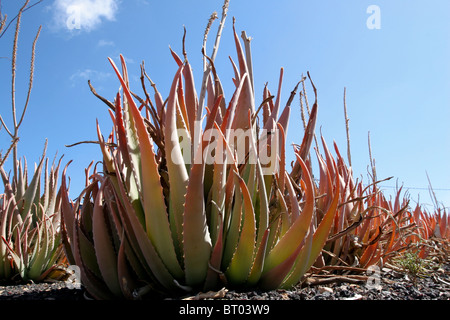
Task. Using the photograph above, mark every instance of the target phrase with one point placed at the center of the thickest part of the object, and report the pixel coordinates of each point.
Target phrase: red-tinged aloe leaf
(87, 252)
(210, 89)
(176, 57)
(284, 118)
(216, 259)
(103, 244)
(191, 99)
(325, 184)
(282, 162)
(323, 230)
(258, 262)
(129, 173)
(307, 138)
(217, 194)
(33, 188)
(37, 263)
(219, 188)
(370, 251)
(268, 106)
(94, 285)
(237, 76)
(273, 278)
(107, 158)
(242, 261)
(246, 98)
(124, 72)
(182, 116)
(132, 139)
(159, 103)
(4, 265)
(196, 237)
(120, 132)
(262, 215)
(295, 235)
(227, 119)
(274, 112)
(157, 224)
(67, 217)
(301, 264)
(178, 175)
(14, 213)
(331, 164)
(142, 245)
(295, 207)
(240, 53)
(127, 283)
(367, 255)
(245, 103)
(233, 226)
(17, 259)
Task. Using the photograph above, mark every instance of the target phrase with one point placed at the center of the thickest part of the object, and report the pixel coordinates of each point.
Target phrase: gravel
(392, 285)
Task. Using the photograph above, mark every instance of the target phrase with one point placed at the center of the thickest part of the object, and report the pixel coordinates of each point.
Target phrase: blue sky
(397, 77)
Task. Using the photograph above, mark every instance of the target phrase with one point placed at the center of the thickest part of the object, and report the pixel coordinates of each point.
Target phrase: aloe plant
(216, 208)
(30, 244)
(30, 239)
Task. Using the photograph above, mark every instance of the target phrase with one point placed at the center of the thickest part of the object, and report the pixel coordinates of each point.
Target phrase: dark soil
(393, 285)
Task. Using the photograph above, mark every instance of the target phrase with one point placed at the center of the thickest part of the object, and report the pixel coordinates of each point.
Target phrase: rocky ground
(388, 284)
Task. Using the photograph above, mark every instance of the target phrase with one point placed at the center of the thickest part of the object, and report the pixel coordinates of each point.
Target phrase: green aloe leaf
(242, 261)
(156, 219)
(196, 237)
(323, 230)
(178, 175)
(288, 244)
(103, 244)
(128, 146)
(141, 244)
(301, 264)
(33, 188)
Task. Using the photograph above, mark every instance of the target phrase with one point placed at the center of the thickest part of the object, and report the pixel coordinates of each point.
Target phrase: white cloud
(105, 43)
(89, 74)
(84, 14)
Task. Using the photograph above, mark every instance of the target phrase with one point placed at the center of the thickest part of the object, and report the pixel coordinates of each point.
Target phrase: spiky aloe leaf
(313, 246)
(307, 138)
(156, 219)
(258, 262)
(141, 244)
(301, 264)
(37, 262)
(94, 284)
(125, 144)
(127, 283)
(103, 244)
(178, 175)
(241, 263)
(274, 277)
(17, 259)
(246, 98)
(288, 244)
(196, 237)
(33, 188)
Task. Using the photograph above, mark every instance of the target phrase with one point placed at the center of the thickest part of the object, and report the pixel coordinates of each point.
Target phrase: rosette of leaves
(30, 244)
(158, 217)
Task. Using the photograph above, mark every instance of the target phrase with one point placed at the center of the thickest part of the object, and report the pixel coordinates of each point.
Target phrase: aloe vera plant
(30, 239)
(183, 205)
(370, 229)
(30, 246)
